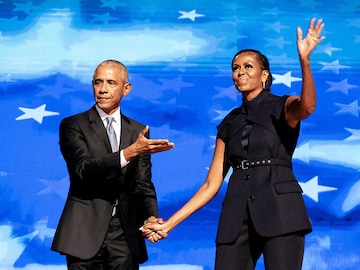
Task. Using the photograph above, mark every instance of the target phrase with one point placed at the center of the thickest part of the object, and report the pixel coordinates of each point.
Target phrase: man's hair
(115, 63)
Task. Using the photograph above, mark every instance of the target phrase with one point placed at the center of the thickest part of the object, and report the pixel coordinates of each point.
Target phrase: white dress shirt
(117, 127)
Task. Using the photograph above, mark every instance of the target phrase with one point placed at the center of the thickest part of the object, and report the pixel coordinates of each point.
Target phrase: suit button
(251, 198)
(247, 177)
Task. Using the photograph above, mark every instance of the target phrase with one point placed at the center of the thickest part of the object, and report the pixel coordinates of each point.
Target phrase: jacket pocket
(287, 187)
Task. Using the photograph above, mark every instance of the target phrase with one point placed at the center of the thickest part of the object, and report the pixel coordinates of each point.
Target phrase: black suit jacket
(96, 181)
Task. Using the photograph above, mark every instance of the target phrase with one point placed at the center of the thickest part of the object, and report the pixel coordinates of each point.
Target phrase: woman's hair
(264, 62)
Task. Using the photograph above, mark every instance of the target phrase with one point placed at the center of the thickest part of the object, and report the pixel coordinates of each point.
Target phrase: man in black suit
(111, 193)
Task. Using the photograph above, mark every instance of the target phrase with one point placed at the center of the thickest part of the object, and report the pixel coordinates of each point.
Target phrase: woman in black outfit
(263, 211)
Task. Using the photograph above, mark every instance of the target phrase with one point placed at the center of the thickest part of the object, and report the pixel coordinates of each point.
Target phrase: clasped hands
(153, 229)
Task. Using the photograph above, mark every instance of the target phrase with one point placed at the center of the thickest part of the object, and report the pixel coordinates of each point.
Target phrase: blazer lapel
(125, 132)
(97, 126)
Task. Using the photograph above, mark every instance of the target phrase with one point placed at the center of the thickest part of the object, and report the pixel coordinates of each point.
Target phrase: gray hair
(115, 63)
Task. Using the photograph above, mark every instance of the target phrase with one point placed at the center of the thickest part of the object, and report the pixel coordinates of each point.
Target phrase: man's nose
(103, 88)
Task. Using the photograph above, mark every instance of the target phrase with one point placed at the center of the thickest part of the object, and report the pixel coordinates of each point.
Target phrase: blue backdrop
(178, 54)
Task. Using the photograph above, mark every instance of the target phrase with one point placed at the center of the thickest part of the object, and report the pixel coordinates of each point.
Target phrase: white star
(175, 84)
(190, 15)
(37, 114)
(342, 86)
(277, 26)
(355, 134)
(334, 66)
(55, 187)
(277, 42)
(351, 108)
(285, 79)
(229, 92)
(328, 49)
(312, 189)
(42, 230)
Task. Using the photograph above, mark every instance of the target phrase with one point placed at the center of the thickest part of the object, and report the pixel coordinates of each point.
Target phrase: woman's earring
(264, 85)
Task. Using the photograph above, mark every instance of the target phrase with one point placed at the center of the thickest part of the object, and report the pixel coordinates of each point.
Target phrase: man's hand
(145, 146)
(153, 236)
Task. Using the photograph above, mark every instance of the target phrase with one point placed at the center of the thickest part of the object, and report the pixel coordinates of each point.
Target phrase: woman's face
(248, 74)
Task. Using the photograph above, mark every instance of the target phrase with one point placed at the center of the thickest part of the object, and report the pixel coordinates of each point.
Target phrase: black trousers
(113, 255)
(283, 252)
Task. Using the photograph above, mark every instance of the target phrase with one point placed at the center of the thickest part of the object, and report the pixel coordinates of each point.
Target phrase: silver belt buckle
(244, 164)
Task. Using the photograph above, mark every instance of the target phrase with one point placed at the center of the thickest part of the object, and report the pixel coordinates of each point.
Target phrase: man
(111, 193)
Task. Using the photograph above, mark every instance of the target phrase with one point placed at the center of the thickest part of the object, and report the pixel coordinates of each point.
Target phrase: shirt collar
(103, 114)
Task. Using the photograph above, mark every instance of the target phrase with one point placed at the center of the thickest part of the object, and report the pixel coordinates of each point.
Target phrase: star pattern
(37, 114)
(285, 79)
(178, 55)
(328, 49)
(342, 86)
(352, 108)
(333, 66)
(355, 134)
(312, 188)
(191, 15)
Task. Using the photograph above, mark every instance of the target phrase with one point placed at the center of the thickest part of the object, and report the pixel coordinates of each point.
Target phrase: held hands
(154, 229)
(311, 40)
(145, 146)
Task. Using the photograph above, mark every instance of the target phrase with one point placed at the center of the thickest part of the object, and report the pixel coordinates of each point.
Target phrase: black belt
(246, 164)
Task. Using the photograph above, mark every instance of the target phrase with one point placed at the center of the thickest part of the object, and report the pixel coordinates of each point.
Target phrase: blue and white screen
(178, 54)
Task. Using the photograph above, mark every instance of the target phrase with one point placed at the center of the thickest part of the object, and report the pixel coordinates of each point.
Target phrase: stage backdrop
(178, 54)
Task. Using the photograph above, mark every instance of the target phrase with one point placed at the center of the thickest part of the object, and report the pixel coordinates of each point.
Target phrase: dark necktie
(111, 134)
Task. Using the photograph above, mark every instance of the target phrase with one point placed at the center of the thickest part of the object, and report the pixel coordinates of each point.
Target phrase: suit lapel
(125, 132)
(97, 126)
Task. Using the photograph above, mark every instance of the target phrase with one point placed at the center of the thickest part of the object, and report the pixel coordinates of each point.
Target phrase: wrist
(129, 153)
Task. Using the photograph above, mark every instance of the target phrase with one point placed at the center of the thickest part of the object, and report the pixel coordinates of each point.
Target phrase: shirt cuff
(123, 161)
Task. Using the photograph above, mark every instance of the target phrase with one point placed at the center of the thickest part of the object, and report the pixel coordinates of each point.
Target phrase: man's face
(109, 85)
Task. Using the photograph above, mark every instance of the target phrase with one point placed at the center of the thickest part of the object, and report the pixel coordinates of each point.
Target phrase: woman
(263, 211)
